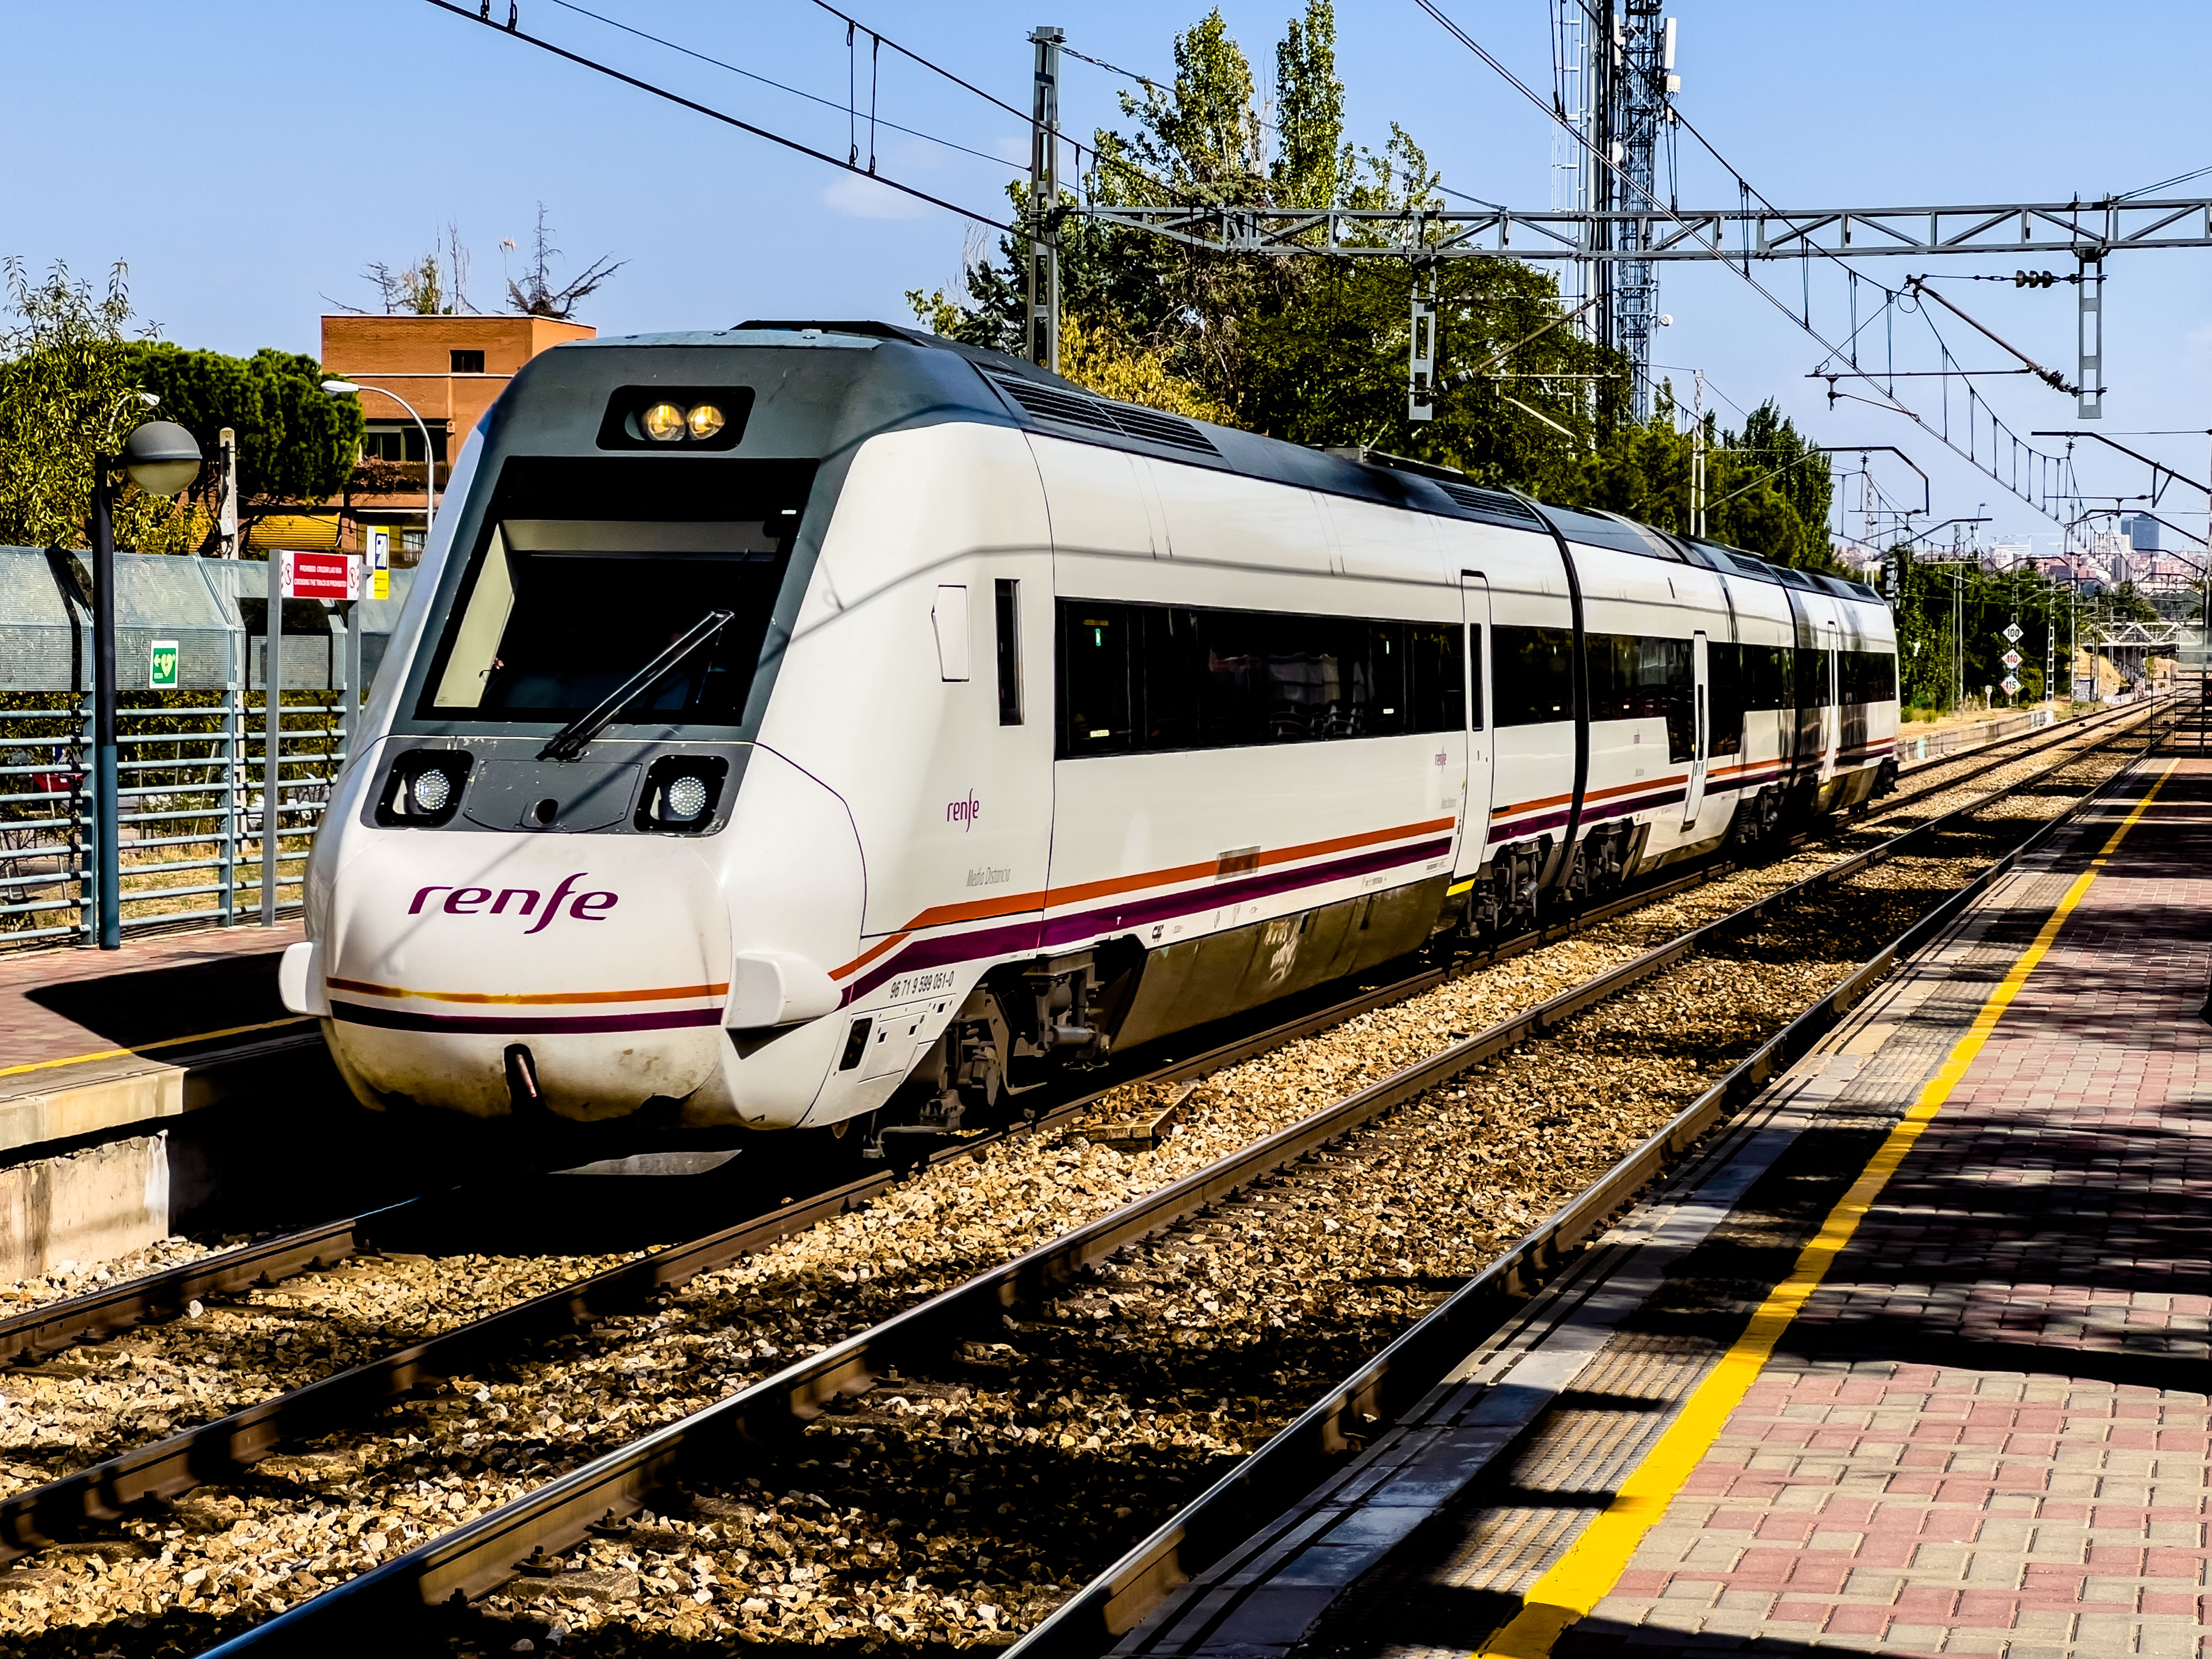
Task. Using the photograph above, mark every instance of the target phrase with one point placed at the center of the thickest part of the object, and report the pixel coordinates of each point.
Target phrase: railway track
(221, 1449)
(98, 1315)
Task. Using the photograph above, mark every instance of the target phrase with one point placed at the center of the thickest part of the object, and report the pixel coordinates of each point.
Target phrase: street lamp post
(341, 388)
(161, 458)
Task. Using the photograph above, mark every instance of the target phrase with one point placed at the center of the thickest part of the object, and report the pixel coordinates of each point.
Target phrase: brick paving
(57, 1003)
(1987, 1434)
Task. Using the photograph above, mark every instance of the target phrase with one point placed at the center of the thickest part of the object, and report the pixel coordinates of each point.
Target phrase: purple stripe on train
(1136, 913)
(402, 1019)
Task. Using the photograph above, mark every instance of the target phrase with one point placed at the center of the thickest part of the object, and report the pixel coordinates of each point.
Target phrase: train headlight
(703, 420)
(429, 789)
(685, 797)
(681, 792)
(663, 423)
(422, 789)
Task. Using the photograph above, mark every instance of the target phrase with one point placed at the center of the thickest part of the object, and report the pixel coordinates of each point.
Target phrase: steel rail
(477, 1556)
(106, 1491)
(36, 1332)
(1217, 1530)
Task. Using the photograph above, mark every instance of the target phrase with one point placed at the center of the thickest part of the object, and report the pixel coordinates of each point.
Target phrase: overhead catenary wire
(714, 114)
(1888, 399)
(851, 164)
(812, 98)
(1027, 118)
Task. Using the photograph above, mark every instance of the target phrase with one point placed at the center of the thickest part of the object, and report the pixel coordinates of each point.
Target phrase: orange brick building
(450, 368)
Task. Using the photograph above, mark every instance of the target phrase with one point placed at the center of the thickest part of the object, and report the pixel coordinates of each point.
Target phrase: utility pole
(226, 513)
(1044, 200)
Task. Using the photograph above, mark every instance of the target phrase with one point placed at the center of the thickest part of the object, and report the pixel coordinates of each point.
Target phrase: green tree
(67, 395)
(296, 443)
(1316, 350)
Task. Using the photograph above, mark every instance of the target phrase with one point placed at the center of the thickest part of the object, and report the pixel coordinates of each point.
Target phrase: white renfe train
(792, 718)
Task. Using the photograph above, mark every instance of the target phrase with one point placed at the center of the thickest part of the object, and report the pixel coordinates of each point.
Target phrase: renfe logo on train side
(965, 812)
(519, 902)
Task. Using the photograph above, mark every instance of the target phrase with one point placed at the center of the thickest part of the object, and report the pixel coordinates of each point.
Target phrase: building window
(468, 362)
(400, 441)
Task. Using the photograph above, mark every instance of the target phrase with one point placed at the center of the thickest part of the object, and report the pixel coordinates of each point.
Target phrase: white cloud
(857, 197)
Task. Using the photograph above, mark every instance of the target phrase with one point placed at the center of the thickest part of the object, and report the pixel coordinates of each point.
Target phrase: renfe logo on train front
(519, 901)
(965, 812)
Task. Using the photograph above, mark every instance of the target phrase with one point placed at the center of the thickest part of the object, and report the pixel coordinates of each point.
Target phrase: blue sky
(310, 139)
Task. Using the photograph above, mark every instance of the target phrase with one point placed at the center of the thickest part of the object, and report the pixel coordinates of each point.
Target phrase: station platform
(93, 1041)
(1912, 1360)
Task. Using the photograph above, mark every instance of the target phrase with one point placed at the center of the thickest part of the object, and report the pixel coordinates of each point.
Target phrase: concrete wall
(85, 1207)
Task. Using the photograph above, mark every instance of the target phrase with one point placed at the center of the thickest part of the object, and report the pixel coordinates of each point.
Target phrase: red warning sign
(320, 575)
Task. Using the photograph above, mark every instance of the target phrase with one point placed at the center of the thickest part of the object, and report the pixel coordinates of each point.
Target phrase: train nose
(466, 972)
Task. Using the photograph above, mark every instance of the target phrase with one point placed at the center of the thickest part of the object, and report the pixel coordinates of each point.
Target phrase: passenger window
(1534, 682)
(1160, 677)
(1439, 684)
(1307, 684)
(1724, 672)
(1812, 678)
(1172, 661)
(1094, 661)
(1230, 710)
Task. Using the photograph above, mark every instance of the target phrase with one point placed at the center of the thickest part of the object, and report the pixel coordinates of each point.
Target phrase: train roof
(1026, 395)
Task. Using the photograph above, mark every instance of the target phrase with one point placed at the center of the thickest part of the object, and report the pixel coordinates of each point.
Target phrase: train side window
(1160, 678)
(1766, 677)
(1666, 680)
(1390, 697)
(1230, 712)
(1008, 595)
(1308, 677)
(1094, 672)
(1170, 662)
(1812, 678)
(1642, 677)
(1725, 673)
(1439, 694)
(1534, 684)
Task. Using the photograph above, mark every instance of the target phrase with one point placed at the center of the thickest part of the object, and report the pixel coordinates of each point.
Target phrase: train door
(1693, 801)
(1475, 799)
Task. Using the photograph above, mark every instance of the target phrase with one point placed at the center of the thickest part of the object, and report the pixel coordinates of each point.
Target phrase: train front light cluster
(671, 423)
(423, 789)
(681, 792)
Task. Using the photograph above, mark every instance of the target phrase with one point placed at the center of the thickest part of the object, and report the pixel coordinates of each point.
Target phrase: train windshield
(558, 612)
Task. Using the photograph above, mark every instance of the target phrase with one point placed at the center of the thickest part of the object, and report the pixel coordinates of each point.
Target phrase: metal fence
(197, 794)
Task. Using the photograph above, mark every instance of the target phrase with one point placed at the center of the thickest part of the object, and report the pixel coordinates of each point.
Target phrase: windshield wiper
(570, 740)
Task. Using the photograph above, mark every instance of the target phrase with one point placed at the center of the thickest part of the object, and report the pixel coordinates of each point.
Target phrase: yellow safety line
(144, 1047)
(1586, 1574)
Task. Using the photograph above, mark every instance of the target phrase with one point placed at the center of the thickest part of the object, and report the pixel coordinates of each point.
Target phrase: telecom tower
(1612, 72)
